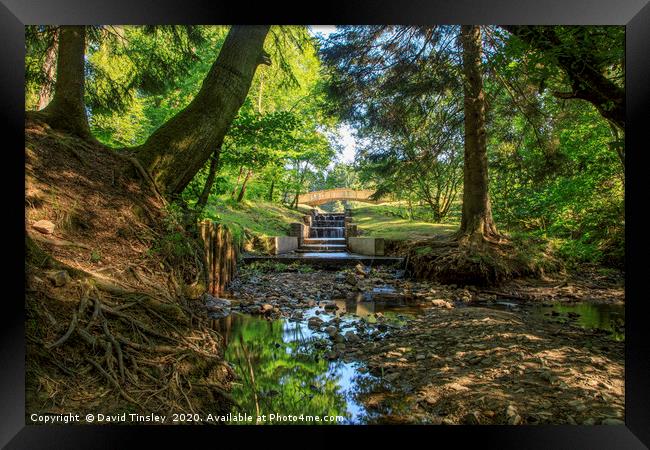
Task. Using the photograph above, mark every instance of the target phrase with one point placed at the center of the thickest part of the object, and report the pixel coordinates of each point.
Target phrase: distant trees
(400, 88)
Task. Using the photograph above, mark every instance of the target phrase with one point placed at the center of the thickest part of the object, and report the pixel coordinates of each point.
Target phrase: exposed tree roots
(145, 350)
(464, 261)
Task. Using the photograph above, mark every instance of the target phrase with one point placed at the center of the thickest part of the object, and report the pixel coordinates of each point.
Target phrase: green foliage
(251, 219)
(555, 165)
(261, 267)
(288, 378)
(561, 180)
(175, 244)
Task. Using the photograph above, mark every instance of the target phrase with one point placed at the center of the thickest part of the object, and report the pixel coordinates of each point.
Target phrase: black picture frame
(634, 14)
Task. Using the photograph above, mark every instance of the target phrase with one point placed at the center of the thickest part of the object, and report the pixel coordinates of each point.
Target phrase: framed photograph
(391, 218)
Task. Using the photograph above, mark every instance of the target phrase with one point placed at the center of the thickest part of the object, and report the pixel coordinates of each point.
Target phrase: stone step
(322, 248)
(328, 223)
(326, 241)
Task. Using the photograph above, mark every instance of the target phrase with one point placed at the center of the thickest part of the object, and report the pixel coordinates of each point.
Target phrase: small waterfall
(327, 226)
(326, 234)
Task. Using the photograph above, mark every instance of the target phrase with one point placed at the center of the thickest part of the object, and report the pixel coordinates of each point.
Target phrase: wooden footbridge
(331, 195)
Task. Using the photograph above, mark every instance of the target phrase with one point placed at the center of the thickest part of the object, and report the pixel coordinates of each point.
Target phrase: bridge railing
(335, 194)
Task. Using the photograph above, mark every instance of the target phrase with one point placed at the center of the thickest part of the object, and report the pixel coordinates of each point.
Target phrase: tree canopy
(553, 106)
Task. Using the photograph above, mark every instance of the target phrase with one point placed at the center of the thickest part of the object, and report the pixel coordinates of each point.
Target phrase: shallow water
(282, 370)
(609, 318)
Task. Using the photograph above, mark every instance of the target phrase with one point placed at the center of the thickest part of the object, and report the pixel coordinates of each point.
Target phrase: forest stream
(329, 350)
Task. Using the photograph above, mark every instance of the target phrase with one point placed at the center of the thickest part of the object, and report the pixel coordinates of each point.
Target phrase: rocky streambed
(373, 347)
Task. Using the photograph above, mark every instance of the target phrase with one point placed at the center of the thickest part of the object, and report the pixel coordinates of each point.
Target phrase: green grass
(388, 221)
(253, 217)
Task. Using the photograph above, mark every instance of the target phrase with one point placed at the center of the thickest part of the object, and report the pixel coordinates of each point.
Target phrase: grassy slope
(253, 217)
(384, 221)
(257, 218)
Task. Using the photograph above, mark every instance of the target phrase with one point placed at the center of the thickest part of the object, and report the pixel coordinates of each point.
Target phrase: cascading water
(327, 226)
(326, 233)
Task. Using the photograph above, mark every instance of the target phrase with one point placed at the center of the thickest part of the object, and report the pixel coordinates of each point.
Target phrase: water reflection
(606, 317)
(609, 318)
(280, 371)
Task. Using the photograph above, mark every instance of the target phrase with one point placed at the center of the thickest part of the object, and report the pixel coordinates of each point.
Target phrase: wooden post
(220, 256)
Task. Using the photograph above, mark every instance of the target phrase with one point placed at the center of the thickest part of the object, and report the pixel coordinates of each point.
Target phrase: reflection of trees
(288, 378)
(602, 317)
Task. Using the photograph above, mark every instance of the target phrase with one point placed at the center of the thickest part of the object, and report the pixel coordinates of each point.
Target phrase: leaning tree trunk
(207, 187)
(242, 191)
(476, 219)
(177, 150)
(67, 111)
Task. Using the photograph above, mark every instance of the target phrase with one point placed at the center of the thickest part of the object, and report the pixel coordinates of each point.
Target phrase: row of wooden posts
(220, 256)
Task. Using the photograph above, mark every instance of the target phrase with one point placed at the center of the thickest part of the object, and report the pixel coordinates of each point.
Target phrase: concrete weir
(326, 240)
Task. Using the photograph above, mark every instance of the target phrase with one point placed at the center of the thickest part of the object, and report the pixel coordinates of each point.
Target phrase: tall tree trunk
(294, 204)
(67, 111)
(234, 189)
(214, 164)
(49, 68)
(270, 197)
(476, 219)
(242, 191)
(177, 150)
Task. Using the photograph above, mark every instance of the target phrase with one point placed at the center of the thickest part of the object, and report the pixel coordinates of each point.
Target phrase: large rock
(513, 415)
(471, 418)
(351, 337)
(331, 306)
(44, 226)
(217, 308)
(391, 377)
(215, 301)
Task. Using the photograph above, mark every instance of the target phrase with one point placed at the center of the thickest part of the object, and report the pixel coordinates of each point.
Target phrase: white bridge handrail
(327, 195)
